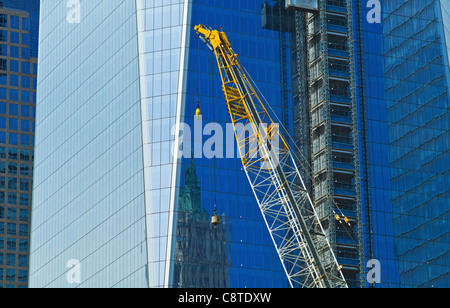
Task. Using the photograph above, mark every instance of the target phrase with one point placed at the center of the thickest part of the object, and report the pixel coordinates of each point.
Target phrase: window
(12, 153)
(25, 24)
(25, 67)
(23, 216)
(4, 20)
(25, 39)
(338, 43)
(12, 183)
(14, 109)
(25, 82)
(10, 259)
(24, 140)
(3, 93)
(14, 66)
(25, 155)
(24, 200)
(25, 53)
(14, 37)
(339, 65)
(342, 135)
(13, 124)
(23, 276)
(12, 228)
(15, 22)
(348, 205)
(10, 275)
(25, 96)
(13, 139)
(341, 112)
(23, 245)
(23, 261)
(23, 230)
(11, 244)
(346, 184)
(24, 170)
(12, 198)
(24, 184)
(341, 3)
(14, 80)
(25, 110)
(14, 51)
(24, 125)
(337, 21)
(14, 95)
(12, 214)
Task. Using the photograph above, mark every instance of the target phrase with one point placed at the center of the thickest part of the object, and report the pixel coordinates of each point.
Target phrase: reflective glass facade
(18, 71)
(403, 116)
(88, 201)
(109, 194)
(181, 196)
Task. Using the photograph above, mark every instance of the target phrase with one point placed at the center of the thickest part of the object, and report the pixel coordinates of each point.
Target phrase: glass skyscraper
(108, 194)
(365, 103)
(403, 69)
(18, 71)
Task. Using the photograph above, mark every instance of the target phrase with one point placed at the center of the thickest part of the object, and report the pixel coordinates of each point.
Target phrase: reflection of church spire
(190, 195)
(191, 179)
(201, 253)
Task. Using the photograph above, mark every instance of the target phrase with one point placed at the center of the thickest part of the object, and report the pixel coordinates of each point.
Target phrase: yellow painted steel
(237, 106)
(275, 179)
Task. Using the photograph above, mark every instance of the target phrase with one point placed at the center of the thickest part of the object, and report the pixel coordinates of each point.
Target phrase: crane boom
(286, 207)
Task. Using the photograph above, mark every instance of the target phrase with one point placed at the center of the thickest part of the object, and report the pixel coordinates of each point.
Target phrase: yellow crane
(287, 209)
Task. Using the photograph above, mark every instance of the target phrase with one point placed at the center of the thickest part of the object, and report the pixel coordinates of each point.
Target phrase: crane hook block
(198, 112)
(215, 221)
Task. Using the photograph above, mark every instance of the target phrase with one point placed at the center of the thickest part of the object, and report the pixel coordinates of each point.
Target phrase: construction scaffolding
(332, 121)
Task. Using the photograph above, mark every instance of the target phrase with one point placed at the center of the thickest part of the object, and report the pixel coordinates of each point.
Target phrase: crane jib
(280, 172)
(305, 253)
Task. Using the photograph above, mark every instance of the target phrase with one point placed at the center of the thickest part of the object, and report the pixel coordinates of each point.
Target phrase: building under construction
(112, 192)
(325, 124)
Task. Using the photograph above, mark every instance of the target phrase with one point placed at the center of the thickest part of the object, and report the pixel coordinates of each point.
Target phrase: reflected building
(367, 105)
(108, 192)
(403, 91)
(417, 83)
(324, 104)
(201, 251)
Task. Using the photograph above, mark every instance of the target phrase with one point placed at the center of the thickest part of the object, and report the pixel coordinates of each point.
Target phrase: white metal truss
(295, 250)
(287, 209)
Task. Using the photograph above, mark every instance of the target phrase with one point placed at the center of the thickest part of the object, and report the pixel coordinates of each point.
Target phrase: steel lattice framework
(286, 207)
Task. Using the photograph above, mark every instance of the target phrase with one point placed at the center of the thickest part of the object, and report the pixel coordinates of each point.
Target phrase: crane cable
(302, 165)
(346, 220)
